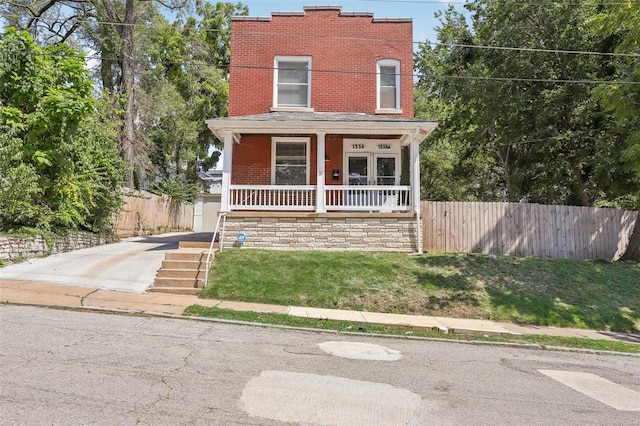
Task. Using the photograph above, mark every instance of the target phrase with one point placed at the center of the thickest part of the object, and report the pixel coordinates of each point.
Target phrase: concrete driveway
(128, 265)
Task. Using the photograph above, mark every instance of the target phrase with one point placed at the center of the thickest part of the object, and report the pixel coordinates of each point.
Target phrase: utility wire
(462, 2)
(378, 40)
(367, 73)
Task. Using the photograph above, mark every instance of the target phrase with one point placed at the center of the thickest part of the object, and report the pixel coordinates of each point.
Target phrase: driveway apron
(128, 265)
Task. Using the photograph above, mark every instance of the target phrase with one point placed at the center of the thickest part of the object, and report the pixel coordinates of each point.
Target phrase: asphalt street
(65, 367)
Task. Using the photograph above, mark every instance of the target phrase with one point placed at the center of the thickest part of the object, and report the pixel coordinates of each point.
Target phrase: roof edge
(317, 8)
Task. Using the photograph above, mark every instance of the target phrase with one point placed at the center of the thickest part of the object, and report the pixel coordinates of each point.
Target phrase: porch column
(415, 174)
(227, 152)
(320, 173)
(415, 189)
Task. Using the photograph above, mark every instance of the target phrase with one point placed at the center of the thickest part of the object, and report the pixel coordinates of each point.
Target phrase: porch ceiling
(317, 122)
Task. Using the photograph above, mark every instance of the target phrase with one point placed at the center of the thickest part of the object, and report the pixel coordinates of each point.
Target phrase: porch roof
(322, 122)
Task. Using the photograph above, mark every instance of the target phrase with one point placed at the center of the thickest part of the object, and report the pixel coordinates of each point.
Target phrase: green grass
(565, 293)
(345, 326)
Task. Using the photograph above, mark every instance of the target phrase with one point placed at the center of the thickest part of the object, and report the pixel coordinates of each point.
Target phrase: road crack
(87, 295)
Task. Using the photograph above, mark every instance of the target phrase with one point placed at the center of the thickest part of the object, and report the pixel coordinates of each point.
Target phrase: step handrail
(213, 239)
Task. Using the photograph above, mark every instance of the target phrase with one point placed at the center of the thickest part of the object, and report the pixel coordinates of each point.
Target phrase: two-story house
(321, 150)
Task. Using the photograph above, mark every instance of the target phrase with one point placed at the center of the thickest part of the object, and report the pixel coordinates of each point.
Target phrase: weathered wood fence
(521, 229)
(144, 213)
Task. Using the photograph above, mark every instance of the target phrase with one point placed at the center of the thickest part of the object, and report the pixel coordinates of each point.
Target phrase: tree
(63, 168)
(129, 37)
(521, 124)
(621, 23)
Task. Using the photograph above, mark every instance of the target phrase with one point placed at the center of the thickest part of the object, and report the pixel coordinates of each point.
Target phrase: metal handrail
(213, 239)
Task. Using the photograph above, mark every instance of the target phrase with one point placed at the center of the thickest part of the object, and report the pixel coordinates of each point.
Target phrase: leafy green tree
(58, 154)
(620, 23)
(522, 124)
(184, 82)
(138, 49)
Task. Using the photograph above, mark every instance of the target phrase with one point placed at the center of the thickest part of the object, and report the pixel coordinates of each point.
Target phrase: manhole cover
(356, 350)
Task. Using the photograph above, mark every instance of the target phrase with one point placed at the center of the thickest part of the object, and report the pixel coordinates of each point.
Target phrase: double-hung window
(388, 85)
(292, 82)
(290, 161)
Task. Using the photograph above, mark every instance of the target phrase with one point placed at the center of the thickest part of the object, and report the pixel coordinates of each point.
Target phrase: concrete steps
(183, 271)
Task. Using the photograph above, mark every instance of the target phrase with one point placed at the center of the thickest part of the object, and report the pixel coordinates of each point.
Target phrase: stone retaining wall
(358, 232)
(14, 249)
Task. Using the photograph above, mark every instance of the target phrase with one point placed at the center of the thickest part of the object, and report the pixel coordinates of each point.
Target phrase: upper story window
(388, 85)
(292, 82)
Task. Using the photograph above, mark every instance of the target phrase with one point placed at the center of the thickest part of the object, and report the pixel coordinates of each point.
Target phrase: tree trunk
(125, 30)
(127, 89)
(582, 187)
(632, 253)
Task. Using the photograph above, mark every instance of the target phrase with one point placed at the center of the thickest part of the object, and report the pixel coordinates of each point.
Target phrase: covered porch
(320, 162)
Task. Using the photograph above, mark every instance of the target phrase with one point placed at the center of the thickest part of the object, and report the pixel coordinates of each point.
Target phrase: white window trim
(277, 59)
(386, 63)
(276, 140)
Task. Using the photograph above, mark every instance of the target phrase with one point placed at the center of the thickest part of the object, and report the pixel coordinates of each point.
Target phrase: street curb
(531, 346)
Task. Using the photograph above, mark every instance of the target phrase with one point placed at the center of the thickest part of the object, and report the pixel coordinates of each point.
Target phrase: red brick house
(320, 123)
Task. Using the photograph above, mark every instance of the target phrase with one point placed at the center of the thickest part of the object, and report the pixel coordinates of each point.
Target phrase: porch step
(175, 290)
(184, 270)
(181, 273)
(164, 282)
(198, 255)
(195, 265)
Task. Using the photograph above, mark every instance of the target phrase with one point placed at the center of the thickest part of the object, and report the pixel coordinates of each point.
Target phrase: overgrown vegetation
(60, 164)
(565, 293)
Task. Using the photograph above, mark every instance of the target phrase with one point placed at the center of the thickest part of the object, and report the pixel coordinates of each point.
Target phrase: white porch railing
(337, 197)
(368, 198)
(272, 197)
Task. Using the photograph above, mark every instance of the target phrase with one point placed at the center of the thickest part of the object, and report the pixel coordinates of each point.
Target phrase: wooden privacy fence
(144, 213)
(521, 229)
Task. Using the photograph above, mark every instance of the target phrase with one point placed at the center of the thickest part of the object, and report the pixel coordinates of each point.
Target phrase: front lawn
(565, 293)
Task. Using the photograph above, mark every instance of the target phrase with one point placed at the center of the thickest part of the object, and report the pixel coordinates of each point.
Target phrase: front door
(372, 169)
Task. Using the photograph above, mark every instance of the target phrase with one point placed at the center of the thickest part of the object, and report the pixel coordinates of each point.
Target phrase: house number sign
(357, 146)
(384, 146)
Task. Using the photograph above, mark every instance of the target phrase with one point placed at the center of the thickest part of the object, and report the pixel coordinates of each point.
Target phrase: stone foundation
(14, 249)
(394, 232)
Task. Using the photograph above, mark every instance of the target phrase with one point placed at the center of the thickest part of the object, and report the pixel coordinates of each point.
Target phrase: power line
(371, 73)
(463, 2)
(369, 40)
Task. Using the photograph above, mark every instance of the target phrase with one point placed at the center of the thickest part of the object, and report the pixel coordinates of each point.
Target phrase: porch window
(292, 82)
(388, 85)
(290, 161)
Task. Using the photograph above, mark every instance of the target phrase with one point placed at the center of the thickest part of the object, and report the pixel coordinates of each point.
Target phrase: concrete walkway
(70, 296)
(128, 265)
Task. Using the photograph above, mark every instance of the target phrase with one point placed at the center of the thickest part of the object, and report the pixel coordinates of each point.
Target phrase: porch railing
(272, 197)
(368, 198)
(336, 197)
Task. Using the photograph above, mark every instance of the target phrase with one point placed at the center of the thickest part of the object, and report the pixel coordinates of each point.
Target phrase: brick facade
(252, 160)
(344, 49)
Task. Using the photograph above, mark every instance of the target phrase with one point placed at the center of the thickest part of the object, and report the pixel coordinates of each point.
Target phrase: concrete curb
(161, 304)
(530, 346)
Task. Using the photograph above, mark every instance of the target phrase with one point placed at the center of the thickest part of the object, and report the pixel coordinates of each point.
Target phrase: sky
(422, 11)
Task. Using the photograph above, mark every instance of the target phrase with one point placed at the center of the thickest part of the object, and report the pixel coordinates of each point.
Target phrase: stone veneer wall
(357, 232)
(18, 249)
